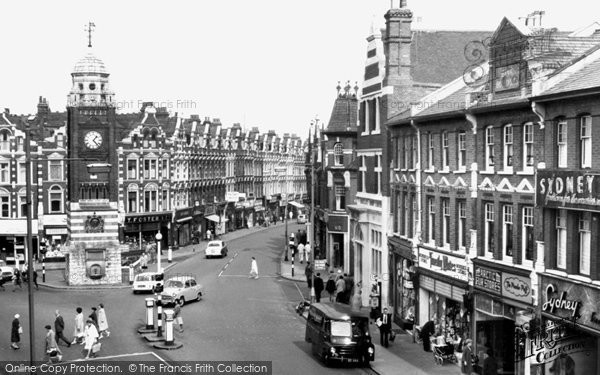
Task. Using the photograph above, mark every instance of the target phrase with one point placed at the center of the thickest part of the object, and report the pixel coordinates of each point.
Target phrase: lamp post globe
(158, 240)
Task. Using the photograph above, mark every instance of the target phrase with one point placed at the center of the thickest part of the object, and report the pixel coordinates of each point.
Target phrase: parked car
(216, 248)
(181, 289)
(148, 282)
(301, 219)
(6, 274)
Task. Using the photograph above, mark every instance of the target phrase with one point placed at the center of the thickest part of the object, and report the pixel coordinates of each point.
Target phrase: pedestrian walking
(208, 234)
(300, 248)
(308, 271)
(94, 316)
(35, 277)
(90, 337)
(466, 366)
(356, 303)
(349, 281)
(59, 327)
(318, 287)
(340, 287)
(253, 269)
(102, 322)
(384, 322)
(177, 315)
(330, 288)
(17, 280)
(53, 352)
(15, 333)
(307, 250)
(79, 331)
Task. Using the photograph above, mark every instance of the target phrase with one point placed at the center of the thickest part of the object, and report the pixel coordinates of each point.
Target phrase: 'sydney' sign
(574, 189)
(559, 302)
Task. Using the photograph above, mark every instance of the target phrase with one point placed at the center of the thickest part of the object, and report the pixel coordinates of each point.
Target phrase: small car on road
(6, 274)
(216, 248)
(181, 289)
(301, 219)
(148, 282)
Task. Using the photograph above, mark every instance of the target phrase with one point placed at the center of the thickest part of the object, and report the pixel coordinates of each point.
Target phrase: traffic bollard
(169, 339)
(43, 269)
(170, 255)
(292, 264)
(159, 316)
(150, 313)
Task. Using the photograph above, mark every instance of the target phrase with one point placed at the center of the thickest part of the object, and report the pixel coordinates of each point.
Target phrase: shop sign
(232, 196)
(445, 264)
(183, 213)
(559, 303)
(147, 219)
(568, 189)
(258, 207)
(516, 287)
(320, 264)
(56, 231)
(488, 280)
(337, 224)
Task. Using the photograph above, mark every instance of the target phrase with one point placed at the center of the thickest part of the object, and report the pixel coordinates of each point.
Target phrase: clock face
(92, 140)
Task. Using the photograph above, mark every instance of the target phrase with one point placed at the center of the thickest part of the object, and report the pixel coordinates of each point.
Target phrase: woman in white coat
(102, 322)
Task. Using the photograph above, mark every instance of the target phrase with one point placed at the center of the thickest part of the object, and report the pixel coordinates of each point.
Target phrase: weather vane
(89, 28)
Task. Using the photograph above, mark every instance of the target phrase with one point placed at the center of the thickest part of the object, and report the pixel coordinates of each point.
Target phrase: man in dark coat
(308, 271)
(426, 331)
(59, 327)
(385, 327)
(15, 335)
(318, 287)
(466, 366)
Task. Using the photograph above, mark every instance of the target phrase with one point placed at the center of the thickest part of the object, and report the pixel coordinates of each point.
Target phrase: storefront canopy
(296, 204)
(216, 219)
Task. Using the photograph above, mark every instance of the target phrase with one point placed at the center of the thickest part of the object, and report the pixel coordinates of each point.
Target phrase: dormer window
(338, 154)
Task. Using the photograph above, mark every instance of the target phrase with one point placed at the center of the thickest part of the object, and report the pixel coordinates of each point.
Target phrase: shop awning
(215, 218)
(188, 218)
(296, 204)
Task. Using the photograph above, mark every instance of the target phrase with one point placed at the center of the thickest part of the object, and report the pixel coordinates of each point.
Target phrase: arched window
(4, 140)
(4, 203)
(132, 198)
(338, 153)
(358, 234)
(151, 198)
(22, 196)
(55, 199)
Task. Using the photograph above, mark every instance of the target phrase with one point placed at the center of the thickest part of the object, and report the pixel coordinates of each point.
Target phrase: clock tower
(94, 254)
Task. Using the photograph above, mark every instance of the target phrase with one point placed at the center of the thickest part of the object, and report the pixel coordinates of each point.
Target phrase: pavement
(402, 356)
(55, 278)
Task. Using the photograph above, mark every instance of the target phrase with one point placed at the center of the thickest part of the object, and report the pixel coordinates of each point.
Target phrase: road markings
(299, 291)
(260, 276)
(227, 264)
(118, 356)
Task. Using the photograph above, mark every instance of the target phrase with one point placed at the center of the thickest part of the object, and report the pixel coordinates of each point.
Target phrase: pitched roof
(585, 78)
(438, 56)
(344, 114)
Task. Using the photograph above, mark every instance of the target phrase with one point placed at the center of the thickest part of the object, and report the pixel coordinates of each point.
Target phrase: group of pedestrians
(87, 334)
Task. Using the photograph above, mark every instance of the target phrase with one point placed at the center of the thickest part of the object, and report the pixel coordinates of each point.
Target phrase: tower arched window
(55, 199)
(338, 154)
(4, 140)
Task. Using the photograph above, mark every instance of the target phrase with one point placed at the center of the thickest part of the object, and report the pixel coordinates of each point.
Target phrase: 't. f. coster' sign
(574, 189)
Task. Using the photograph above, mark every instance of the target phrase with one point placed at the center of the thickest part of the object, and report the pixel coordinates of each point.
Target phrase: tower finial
(89, 28)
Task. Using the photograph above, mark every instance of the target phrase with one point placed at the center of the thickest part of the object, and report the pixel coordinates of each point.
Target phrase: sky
(273, 64)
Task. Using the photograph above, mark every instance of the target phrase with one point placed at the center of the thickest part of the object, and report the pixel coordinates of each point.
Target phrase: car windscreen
(341, 328)
(142, 278)
(214, 245)
(173, 284)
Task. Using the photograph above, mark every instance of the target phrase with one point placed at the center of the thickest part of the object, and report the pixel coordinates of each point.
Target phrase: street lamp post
(29, 240)
(312, 215)
(287, 241)
(158, 240)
